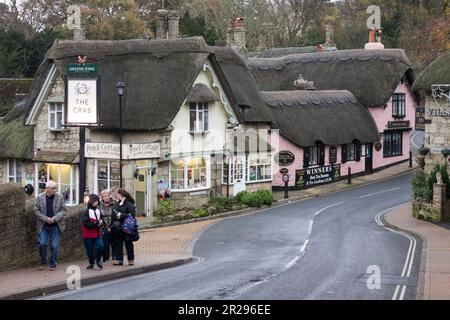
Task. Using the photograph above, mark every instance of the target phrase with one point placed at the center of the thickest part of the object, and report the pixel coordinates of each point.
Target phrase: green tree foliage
(196, 26)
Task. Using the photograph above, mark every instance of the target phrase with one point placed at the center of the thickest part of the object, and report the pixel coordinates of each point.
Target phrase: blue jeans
(94, 249)
(54, 234)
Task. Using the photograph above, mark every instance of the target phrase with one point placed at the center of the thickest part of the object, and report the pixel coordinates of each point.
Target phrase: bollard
(349, 176)
(286, 190)
(410, 159)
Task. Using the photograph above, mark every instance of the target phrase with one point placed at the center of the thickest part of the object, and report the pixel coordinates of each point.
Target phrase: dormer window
(55, 116)
(398, 105)
(199, 116)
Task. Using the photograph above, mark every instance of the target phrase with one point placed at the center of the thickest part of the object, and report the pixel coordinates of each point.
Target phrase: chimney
(167, 24)
(174, 24)
(374, 40)
(329, 44)
(236, 34)
(79, 34)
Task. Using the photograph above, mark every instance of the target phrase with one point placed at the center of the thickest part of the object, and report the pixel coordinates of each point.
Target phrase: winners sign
(82, 95)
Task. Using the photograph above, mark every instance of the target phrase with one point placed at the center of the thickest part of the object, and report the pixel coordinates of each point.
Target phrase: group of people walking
(107, 224)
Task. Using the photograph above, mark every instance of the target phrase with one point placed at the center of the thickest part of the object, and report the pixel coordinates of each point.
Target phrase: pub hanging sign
(82, 94)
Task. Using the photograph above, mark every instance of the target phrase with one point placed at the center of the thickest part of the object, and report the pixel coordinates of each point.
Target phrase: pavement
(158, 248)
(435, 267)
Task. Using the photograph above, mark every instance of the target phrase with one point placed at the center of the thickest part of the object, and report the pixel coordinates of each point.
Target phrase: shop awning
(52, 156)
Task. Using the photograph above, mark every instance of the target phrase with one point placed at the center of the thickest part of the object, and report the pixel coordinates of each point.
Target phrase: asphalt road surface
(331, 247)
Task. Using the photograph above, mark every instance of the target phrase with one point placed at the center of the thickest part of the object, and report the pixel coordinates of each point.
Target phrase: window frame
(199, 108)
(206, 159)
(53, 126)
(350, 156)
(73, 181)
(108, 174)
(17, 171)
(391, 147)
(259, 158)
(399, 105)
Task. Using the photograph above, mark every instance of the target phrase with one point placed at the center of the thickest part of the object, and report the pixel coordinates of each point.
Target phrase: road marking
(331, 206)
(311, 223)
(394, 297)
(377, 193)
(305, 244)
(292, 263)
(403, 293)
(406, 272)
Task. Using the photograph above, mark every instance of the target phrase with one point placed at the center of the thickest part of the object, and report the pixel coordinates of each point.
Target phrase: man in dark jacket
(50, 211)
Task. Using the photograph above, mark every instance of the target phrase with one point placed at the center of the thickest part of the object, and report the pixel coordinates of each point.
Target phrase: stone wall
(437, 133)
(64, 140)
(2, 171)
(18, 235)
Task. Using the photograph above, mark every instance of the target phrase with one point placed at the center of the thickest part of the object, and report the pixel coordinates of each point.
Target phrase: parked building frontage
(433, 88)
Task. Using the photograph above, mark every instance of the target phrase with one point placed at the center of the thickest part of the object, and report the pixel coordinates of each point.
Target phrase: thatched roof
(201, 93)
(16, 140)
(158, 73)
(242, 83)
(370, 75)
(281, 52)
(332, 117)
(438, 72)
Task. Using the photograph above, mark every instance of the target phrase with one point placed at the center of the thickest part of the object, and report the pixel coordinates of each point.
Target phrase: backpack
(130, 226)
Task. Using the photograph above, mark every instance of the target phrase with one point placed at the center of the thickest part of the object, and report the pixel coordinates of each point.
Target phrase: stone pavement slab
(435, 269)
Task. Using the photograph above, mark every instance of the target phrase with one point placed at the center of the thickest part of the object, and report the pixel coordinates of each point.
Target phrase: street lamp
(120, 92)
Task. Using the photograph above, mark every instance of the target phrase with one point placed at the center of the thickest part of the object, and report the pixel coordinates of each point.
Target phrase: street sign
(89, 69)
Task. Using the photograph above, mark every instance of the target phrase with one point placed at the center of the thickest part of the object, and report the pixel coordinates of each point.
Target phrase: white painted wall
(182, 141)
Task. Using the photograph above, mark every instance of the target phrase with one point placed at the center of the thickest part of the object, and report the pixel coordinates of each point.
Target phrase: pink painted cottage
(355, 109)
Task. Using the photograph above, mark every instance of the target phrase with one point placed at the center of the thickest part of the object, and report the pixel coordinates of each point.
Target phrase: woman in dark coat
(124, 207)
(92, 223)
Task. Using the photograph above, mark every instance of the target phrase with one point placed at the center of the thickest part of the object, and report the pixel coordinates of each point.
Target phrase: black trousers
(108, 246)
(129, 247)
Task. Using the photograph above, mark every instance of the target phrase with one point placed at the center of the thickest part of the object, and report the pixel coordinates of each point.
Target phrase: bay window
(66, 178)
(254, 167)
(260, 168)
(14, 169)
(189, 174)
(55, 116)
(198, 117)
(108, 175)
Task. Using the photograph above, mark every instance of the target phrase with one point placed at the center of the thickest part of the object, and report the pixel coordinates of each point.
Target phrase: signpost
(81, 103)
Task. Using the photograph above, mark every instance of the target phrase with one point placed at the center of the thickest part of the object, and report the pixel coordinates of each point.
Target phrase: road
(321, 248)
